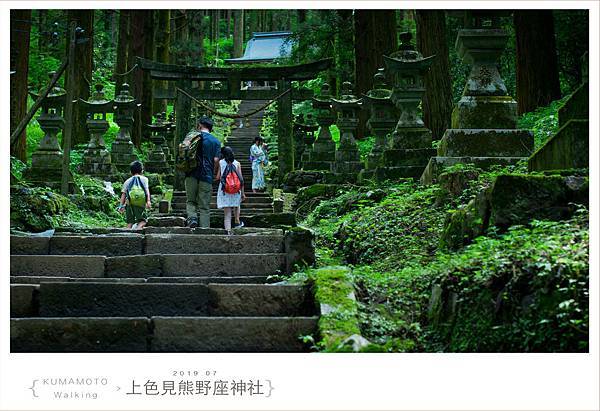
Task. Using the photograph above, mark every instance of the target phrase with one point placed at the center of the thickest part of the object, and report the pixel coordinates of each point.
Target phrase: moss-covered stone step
(486, 143)
(34, 280)
(395, 173)
(111, 299)
(249, 200)
(568, 148)
(436, 165)
(151, 265)
(256, 220)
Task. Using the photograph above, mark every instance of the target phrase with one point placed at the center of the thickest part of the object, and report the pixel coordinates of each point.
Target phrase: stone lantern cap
(55, 99)
(97, 102)
(124, 97)
(324, 95)
(407, 58)
(159, 124)
(380, 90)
(347, 99)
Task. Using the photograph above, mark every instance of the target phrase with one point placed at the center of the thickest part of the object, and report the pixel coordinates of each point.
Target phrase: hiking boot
(192, 222)
(240, 225)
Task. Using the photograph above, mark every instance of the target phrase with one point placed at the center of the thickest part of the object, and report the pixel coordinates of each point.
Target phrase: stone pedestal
(483, 121)
(96, 159)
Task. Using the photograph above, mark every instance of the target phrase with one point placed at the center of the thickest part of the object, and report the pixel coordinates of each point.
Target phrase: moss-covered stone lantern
(347, 156)
(122, 153)
(322, 155)
(157, 161)
(96, 159)
(46, 160)
(381, 122)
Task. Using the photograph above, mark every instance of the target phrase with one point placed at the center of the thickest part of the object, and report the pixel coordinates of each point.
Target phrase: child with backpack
(135, 197)
(231, 186)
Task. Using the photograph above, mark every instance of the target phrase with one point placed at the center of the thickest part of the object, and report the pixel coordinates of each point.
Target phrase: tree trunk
(228, 20)
(83, 74)
(238, 33)
(215, 26)
(437, 101)
(20, 29)
(42, 30)
(136, 77)
(163, 43)
(537, 68)
(375, 36)
(147, 83)
(122, 45)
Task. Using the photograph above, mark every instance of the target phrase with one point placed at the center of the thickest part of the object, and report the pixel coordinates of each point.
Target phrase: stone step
(150, 265)
(201, 280)
(161, 334)
(136, 244)
(249, 200)
(250, 208)
(248, 194)
(258, 220)
(119, 299)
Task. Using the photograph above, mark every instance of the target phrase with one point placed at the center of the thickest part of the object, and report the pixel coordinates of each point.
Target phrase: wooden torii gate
(232, 78)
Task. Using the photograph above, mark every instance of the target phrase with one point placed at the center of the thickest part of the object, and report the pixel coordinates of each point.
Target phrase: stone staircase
(157, 290)
(257, 205)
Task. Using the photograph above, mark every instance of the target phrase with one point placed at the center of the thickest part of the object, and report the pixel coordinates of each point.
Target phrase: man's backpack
(231, 180)
(136, 192)
(189, 151)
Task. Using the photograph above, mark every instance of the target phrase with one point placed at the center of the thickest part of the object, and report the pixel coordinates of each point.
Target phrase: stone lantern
(170, 135)
(46, 160)
(96, 158)
(304, 137)
(157, 161)
(409, 146)
(122, 148)
(347, 156)
(322, 155)
(484, 120)
(165, 144)
(381, 122)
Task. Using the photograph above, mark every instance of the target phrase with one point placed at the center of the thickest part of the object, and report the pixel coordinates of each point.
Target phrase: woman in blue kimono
(258, 155)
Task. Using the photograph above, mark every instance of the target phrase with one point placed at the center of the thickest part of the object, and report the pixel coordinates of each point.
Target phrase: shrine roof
(265, 47)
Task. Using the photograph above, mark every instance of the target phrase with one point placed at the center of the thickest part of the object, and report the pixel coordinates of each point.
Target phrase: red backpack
(231, 180)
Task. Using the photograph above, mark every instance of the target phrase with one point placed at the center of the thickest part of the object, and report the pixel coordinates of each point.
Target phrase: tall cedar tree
(437, 101)
(537, 67)
(20, 29)
(84, 62)
(238, 33)
(375, 36)
(163, 45)
(141, 86)
(121, 66)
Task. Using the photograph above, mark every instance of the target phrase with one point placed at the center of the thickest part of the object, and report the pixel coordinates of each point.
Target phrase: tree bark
(537, 67)
(163, 43)
(375, 36)
(136, 77)
(83, 74)
(228, 13)
(122, 46)
(238, 33)
(437, 101)
(20, 29)
(301, 16)
(147, 83)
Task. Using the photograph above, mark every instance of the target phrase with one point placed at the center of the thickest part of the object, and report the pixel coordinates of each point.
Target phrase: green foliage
(365, 146)
(39, 67)
(36, 209)
(17, 167)
(543, 121)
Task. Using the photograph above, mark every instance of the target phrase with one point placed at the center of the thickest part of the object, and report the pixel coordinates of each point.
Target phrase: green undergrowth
(523, 290)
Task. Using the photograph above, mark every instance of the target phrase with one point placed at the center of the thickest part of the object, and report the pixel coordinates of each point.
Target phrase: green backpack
(189, 151)
(136, 193)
